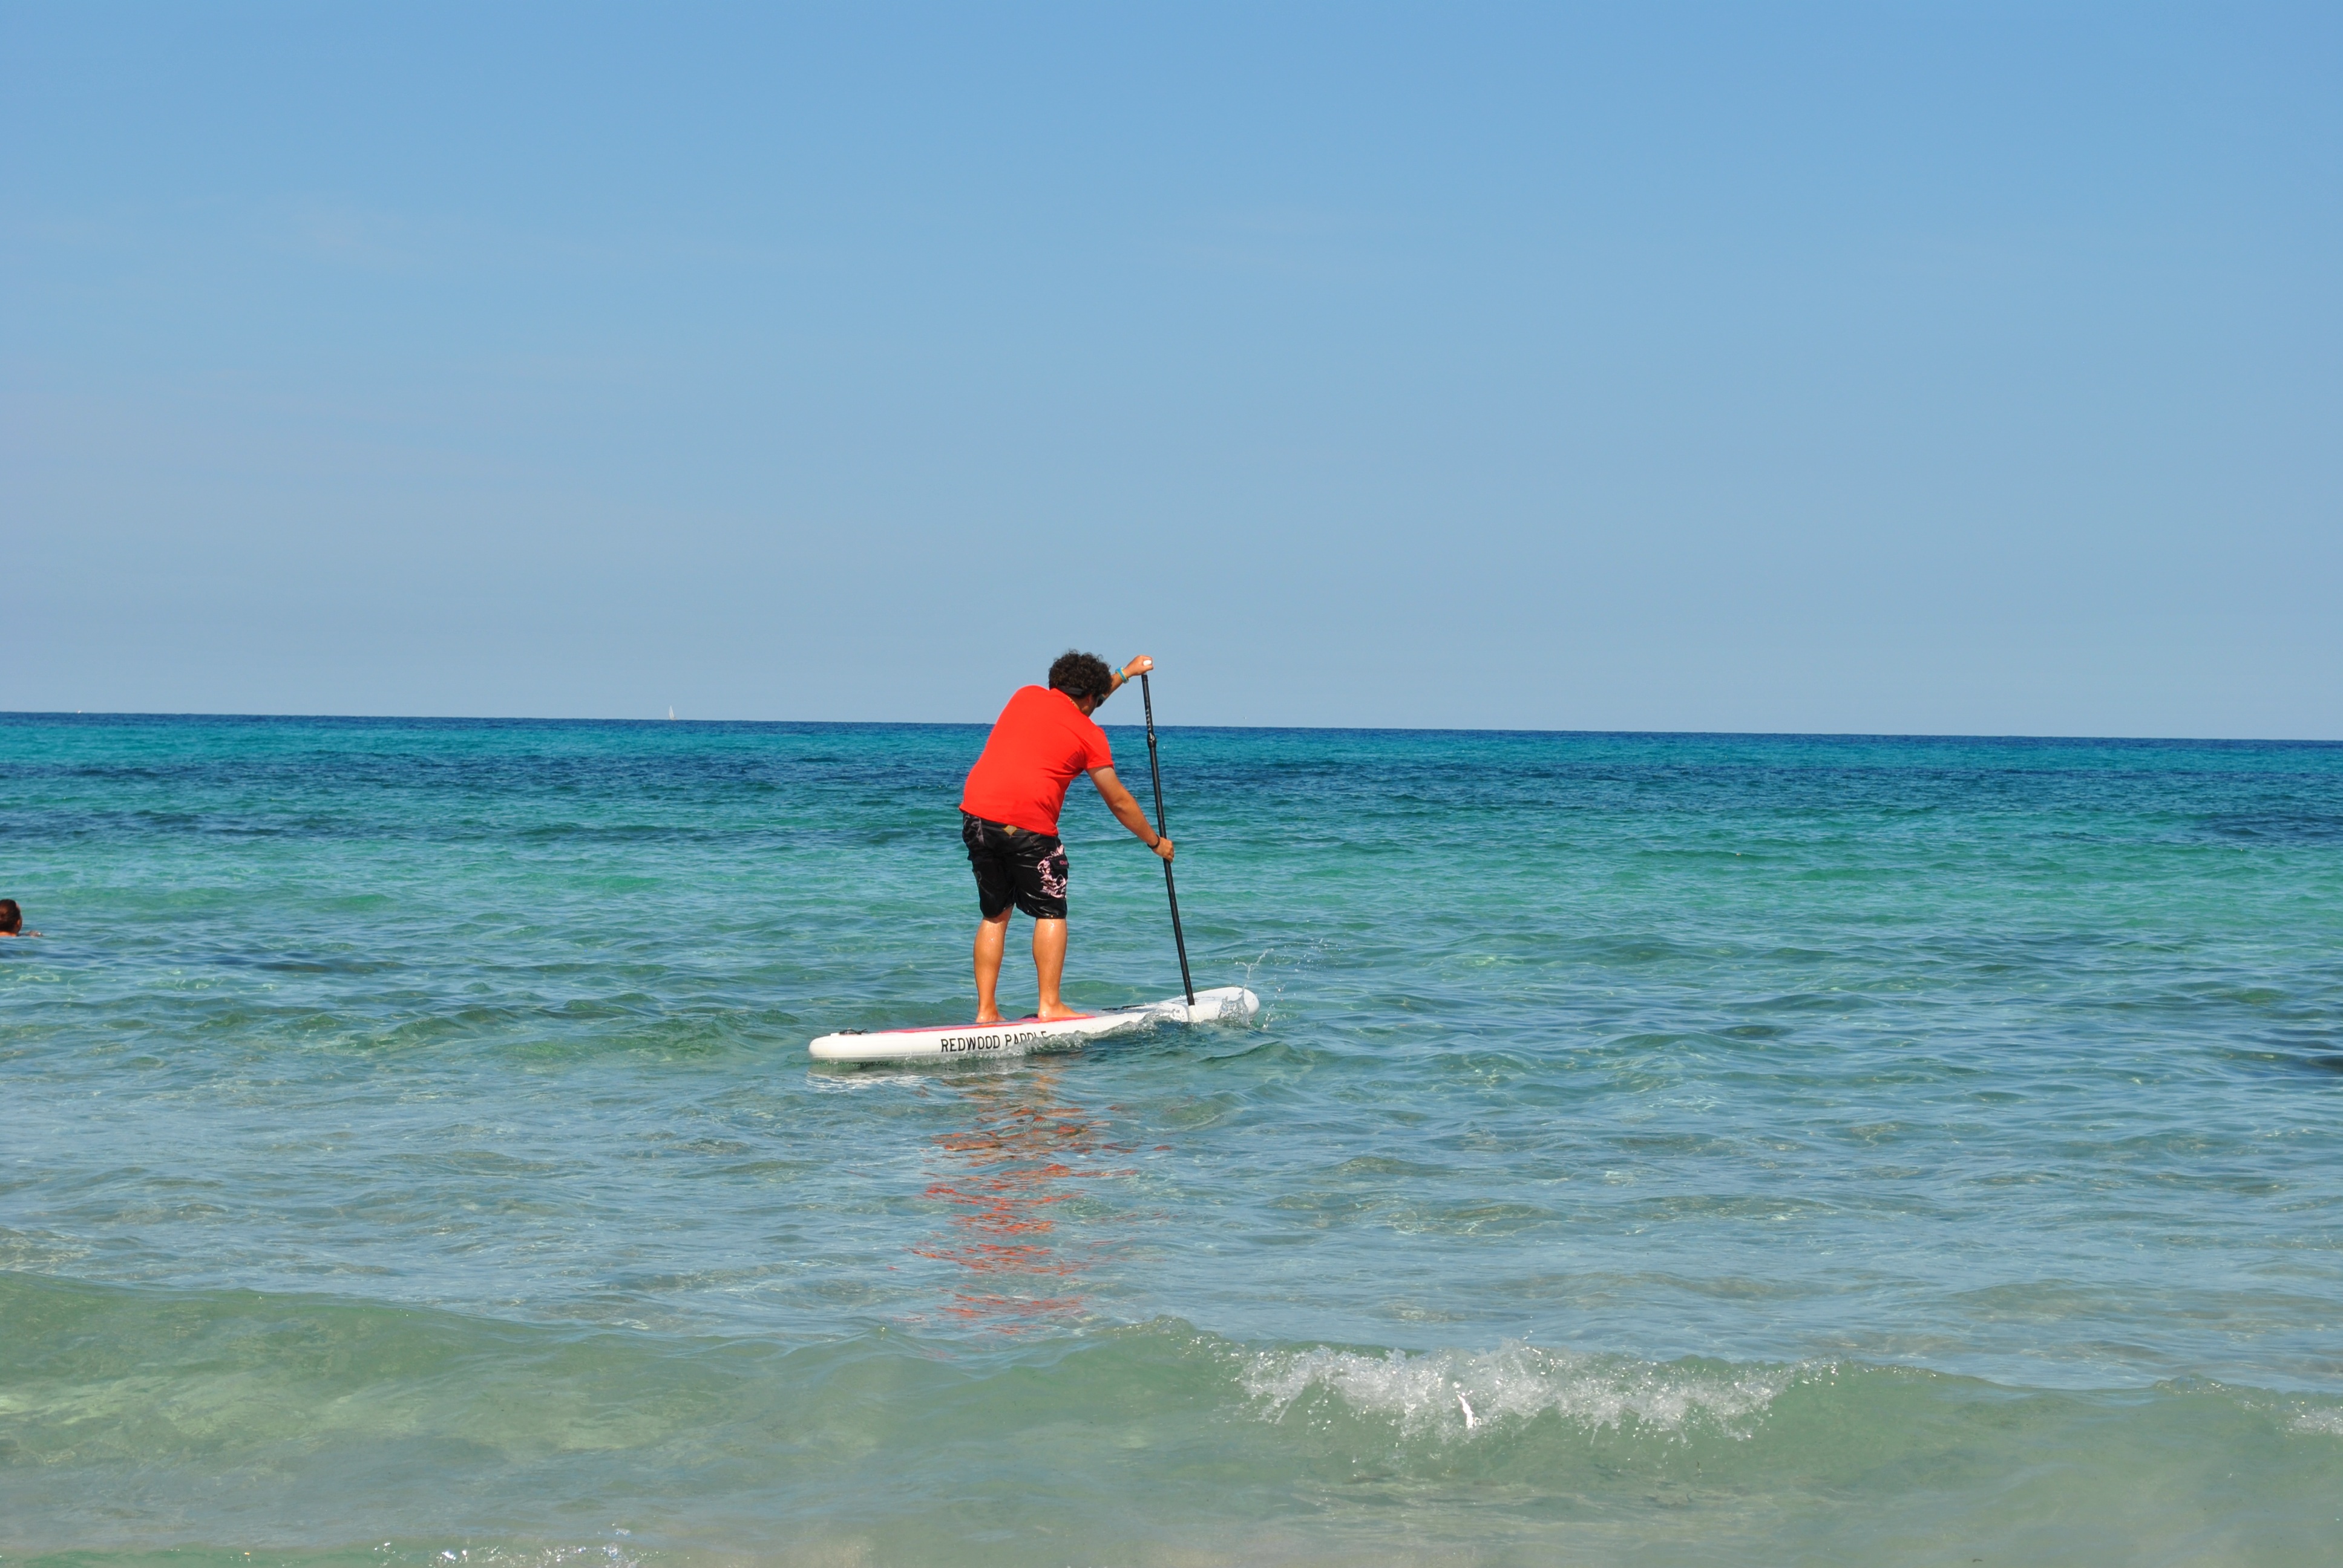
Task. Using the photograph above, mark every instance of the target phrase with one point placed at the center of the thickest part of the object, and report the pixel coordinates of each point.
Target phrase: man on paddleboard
(1009, 817)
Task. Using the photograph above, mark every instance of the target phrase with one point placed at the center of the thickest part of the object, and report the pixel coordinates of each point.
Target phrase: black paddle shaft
(1148, 697)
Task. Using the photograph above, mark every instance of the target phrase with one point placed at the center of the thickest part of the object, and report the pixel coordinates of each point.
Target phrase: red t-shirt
(1040, 742)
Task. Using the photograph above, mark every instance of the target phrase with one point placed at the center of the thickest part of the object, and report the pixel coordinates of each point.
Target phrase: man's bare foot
(1058, 1010)
(988, 1015)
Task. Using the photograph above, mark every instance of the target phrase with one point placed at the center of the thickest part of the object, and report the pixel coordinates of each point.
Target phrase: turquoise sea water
(1654, 1150)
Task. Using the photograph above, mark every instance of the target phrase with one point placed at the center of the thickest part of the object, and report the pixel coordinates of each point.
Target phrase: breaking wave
(1461, 1393)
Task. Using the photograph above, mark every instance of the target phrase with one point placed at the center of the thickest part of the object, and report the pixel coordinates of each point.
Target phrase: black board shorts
(1014, 865)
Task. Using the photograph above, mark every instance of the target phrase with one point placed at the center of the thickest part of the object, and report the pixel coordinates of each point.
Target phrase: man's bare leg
(1050, 968)
(991, 937)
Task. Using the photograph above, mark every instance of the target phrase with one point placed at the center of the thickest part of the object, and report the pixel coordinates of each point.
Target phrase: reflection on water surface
(1023, 1180)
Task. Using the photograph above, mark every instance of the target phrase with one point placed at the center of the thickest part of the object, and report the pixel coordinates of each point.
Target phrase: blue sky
(1955, 368)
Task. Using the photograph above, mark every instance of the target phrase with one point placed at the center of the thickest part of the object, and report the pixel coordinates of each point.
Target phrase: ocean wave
(537, 1444)
(1462, 1393)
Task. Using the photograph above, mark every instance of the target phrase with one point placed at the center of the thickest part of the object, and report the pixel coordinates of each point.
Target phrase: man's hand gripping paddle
(1148, 697)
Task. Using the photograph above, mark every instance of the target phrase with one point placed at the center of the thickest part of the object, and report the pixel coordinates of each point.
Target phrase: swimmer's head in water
(11, 918)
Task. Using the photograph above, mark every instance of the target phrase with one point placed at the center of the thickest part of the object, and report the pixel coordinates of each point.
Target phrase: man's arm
(1126, 810)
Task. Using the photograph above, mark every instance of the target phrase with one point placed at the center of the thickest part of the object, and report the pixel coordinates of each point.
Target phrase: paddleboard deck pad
(1011, 1037)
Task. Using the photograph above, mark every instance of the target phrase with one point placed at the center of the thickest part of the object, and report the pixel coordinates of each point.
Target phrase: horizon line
(7, 715)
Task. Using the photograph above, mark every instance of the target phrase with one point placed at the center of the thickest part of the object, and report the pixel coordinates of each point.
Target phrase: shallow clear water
(1654, 1148)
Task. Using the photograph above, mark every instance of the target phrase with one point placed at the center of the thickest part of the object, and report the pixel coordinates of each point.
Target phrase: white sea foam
(603, 1555)
(1461, 1393)
(2328, 1422)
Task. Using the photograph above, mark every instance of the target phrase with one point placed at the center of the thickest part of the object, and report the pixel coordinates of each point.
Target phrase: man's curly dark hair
(1080, 675)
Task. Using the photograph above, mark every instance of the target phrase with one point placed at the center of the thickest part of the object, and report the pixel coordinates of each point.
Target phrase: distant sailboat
(670, 711)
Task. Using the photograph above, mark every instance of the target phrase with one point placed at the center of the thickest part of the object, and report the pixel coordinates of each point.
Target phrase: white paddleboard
(1229, 1003)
